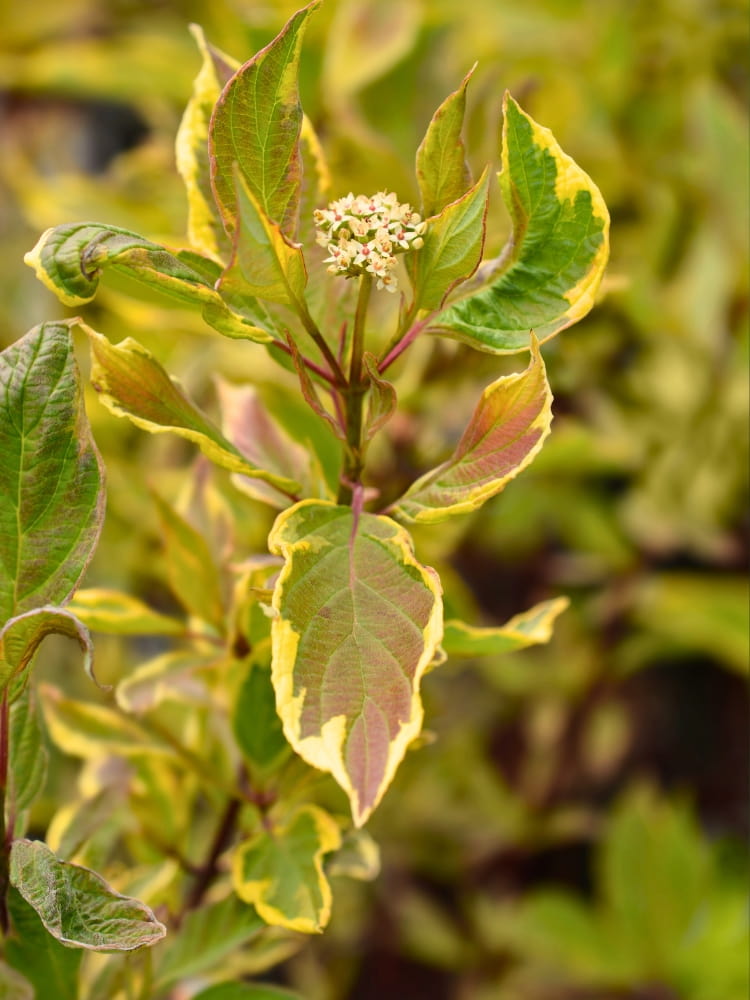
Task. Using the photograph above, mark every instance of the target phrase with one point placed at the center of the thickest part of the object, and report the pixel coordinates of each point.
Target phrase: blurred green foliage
(508, 872)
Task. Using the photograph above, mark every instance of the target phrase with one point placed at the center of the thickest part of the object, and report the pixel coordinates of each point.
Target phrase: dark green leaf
(256, 724)
(51, 481)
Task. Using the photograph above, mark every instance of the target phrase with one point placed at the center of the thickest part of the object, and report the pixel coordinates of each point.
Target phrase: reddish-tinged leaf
(251, 429)
(357, 623)
(133, 384)
(507, 430)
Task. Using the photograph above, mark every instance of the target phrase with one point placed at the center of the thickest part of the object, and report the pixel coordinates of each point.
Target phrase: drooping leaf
(208, 935)
(205, 229)
(246, 991)
(115, 613)
(191, 569)
(69, 260)
(22, 636)
(27, 754)
(527, 629)
(51, 480)
(255, 722)
(290, 411)
(452, 250)
(264, 263)
(381, 399)
(49, 966)
(252, 430)
(256, 125)
(357, 622)
(548, 275)
(76, 905)
(367, 38)
(508, 428)
(14, 986)
(133, 384)
(443, 173)
(281, 872)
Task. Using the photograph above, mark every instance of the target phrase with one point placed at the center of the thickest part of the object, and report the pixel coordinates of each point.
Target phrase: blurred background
(573, 826)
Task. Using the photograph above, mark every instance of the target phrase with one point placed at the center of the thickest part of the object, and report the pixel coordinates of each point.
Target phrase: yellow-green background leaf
(508, 428)
(527, 629)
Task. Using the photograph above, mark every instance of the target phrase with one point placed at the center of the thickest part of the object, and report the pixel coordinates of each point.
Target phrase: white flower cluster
(365, 234)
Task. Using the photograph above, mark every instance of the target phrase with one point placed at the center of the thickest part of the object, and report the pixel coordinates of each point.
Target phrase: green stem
(354, 395)
(312, 328)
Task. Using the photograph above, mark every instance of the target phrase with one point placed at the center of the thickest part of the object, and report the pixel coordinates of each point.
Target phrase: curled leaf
(76, 905)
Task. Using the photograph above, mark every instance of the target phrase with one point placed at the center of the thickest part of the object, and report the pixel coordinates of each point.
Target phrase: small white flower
(364, 234)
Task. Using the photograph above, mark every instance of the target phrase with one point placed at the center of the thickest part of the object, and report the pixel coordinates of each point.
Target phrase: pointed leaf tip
(507, 430)
(256, 124)
(547, 276)
(358, 622)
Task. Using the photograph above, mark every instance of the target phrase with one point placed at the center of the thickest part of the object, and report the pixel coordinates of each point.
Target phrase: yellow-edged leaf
(255, 130)
(443, 172)
(357, 623)
(281, 871)
(508, 428)
(133, 384)
(548, 275)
